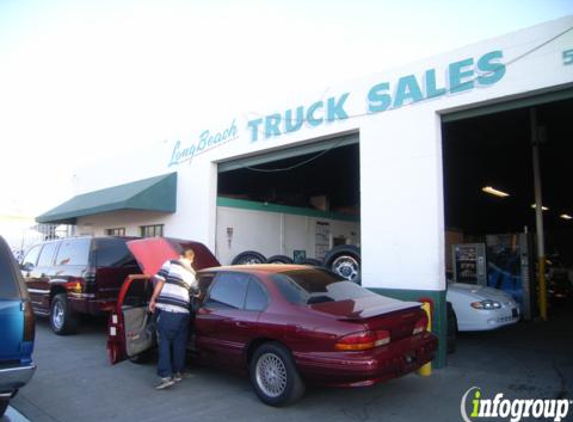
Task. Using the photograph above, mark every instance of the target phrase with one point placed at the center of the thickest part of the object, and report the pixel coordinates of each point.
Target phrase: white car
(479, 308)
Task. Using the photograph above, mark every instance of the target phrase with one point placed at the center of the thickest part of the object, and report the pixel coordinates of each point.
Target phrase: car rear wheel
(274, 375)
(279, 259)
(62, 319)
(3, 406)
(248, 258)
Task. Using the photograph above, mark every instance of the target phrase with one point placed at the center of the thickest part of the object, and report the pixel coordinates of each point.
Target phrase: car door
(42, 275)
(131, 328)
(227, 320)
(30, 274)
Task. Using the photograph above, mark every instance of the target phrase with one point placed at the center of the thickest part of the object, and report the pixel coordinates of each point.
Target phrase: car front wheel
(274, 375)
(62, 319)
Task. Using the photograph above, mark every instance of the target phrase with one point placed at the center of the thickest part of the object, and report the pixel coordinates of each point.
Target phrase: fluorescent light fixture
(543, 208)
(496, 192)
(566, 217)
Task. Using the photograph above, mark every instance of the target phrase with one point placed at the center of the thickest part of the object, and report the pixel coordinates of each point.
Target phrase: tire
(275, 356)
(249, 257)
(63, 320)
(344, 260)
(279, 259)
(452, 328)
(312, 262)
(3, 406)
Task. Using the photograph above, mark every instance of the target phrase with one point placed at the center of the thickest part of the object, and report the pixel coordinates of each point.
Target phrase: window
(111, 252)
(31, 258)
(74, 252)
(153, 230)
(118, 231)
(229, 290)
(9, 288)
(47, 255)
(257, 298)
(315, 286)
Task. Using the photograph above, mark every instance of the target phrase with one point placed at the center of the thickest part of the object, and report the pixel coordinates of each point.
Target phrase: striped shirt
(180, 281)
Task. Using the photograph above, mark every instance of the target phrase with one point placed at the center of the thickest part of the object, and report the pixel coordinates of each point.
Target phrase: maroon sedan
(286, 325)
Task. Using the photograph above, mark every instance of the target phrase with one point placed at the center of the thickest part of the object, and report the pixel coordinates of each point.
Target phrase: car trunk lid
(376, 313)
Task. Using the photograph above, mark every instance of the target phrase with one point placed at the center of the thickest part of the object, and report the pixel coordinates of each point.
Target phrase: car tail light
(76, 284)
(29, 322)
(363, 340)
(420, 325)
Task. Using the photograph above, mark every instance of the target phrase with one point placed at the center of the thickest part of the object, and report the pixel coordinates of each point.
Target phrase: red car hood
(364, 307)
(151, 253)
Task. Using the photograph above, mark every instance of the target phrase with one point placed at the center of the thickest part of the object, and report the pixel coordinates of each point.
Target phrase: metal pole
(538, 214)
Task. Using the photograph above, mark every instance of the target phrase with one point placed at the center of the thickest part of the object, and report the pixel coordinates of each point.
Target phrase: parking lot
(74, 382)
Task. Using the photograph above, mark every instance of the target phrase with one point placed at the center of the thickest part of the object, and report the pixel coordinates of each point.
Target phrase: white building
(368, 155)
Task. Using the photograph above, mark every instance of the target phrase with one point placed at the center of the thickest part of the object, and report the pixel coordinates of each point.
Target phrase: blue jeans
(172, 333)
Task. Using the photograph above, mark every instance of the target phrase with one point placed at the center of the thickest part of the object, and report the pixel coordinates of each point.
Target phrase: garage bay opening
(300, 204)
(508, 211)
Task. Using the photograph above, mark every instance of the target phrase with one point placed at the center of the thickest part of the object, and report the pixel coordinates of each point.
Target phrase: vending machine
(469, 263)
(511, 268)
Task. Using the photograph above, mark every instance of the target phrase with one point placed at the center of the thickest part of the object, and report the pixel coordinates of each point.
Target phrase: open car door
(131, 328)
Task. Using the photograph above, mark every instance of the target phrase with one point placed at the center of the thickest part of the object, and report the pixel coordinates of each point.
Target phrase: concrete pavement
(74, 382)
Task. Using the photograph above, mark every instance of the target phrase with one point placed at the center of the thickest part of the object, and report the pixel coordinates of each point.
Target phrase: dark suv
(16, 329)
(79, 275)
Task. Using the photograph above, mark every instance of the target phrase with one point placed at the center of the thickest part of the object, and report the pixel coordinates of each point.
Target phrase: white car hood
(479, 292)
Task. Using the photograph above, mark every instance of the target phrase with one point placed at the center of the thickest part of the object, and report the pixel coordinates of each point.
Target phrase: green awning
(154, 194)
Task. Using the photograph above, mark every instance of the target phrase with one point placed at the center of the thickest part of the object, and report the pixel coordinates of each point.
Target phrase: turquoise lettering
(290, 124)
(272, 123)
(378, 100)
(310, 118)
(431, 86)
(408, 90)
(336, 108)
(254, 126)
(493, 71)
(458, 74)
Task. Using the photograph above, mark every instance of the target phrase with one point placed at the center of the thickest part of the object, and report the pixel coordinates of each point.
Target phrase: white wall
(402, 223)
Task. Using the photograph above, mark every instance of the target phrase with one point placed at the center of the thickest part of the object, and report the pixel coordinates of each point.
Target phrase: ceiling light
(566, 217)
(492, 191)
(543, 208)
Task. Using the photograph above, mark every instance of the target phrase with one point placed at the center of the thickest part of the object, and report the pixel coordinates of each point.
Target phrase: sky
(81, 80)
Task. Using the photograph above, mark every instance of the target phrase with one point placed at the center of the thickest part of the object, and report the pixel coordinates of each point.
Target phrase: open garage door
(490, 205)
(299, 204)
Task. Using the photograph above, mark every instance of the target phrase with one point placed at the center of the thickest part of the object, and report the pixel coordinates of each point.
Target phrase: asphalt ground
(75, 382)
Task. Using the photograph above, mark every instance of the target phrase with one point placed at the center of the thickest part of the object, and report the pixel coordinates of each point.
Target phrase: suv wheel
(274, 375)
(62, 319)
(3, 406)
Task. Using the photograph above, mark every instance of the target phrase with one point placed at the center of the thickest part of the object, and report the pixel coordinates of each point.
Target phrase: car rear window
(9, 288)
(74, 252)
(308, 286)
(113, 253)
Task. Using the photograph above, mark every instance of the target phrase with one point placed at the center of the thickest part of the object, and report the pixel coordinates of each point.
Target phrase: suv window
(9, 288)
(31, 257)
(229, 290)
(113, 253)
(74, 252)
(47, 255)
(257, 298)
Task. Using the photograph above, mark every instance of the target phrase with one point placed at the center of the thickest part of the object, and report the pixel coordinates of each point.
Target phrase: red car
(286, 325)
